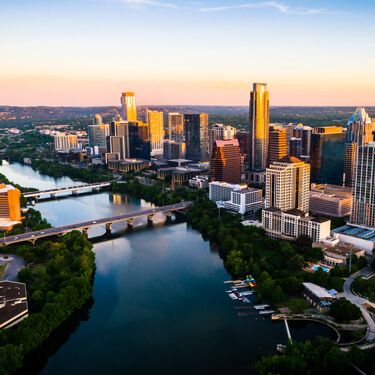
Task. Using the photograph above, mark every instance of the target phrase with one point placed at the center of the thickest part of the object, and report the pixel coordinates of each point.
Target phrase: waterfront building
(277, 144)
(225, 163)
(318, 297)
(98, 135)
(327, 155)
(359, 132)
(13, 303)
(304, 134)
(65, 141)
(176, 126)
(196, 136)
(179, 175)
(363, 212)
(173, 149)
(221, 191)
(288, 184)
(155, 122)
(220, 132)
(259, 113)
(245, 200)
(10, 207)
(291, 224)
(330, 200)
(139, 140)
(128, 106)
(124, 166)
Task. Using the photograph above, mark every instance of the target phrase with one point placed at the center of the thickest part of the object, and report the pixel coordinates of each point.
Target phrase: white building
(199, 182)
(65, 142)
(245, 200)
(289, 225)
(221, 191)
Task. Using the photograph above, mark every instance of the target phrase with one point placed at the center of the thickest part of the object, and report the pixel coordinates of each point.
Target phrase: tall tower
(288, 184)
(196, 136)
(259, 116)
(155, 122)
(225, 163)
(360, 132)
(176, 126)
(363, 211)
(128, 106)
(219, 132)
(277, 144)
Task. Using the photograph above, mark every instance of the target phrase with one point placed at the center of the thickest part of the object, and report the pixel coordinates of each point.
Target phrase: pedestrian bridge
(86, 225)
(51, 193)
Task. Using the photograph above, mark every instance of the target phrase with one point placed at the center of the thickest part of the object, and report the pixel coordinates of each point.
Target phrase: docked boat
(260, 307)
(263, 312)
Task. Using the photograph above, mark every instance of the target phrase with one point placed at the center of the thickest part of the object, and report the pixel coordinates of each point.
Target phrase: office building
(221, 191)
(176, 126)
(220, 132)
(327, 155)
(243, 138)
(245, 200)
(330, 200)
(277, 148)
(225, 162)
(288, 184)
(259, 131)
(139, 140)
(116, 146)
(304, 134)
(359, 132)
(196, 136)
(128, 106)
(363, 212)
(173, 149)
(13, 303)
(98, 120)
(10, 207)
(65, 142)
(155, 122)
(291, 224)
(179, 176)
(98, 135)
(295, 147)
(124, 166)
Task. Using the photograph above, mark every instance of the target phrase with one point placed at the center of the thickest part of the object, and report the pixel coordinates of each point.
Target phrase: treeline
(321, 356)
(366, 288)
(276, 265)
(59, 281)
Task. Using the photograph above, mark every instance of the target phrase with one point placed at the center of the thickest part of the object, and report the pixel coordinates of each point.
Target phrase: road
(32, 236)
(14, 265)
(359, 301)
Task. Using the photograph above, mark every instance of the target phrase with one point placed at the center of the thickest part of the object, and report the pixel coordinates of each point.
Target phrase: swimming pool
(324, 269)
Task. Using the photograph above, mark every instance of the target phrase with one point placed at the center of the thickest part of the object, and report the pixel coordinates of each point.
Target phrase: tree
(343, 311)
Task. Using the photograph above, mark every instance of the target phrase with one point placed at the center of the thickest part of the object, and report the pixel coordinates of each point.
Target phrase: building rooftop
(295, 212)
(361, 232)
(5, 188)
(290, 160)
(317, 290)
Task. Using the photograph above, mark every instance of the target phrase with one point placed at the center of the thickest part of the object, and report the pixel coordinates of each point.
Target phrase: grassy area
(2, 269)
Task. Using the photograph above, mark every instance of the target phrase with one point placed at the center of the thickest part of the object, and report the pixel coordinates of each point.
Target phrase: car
(94, 222)
(41, 232)
(16, 238)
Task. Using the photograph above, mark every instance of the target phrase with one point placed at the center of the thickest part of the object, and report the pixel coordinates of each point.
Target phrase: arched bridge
(84, 226)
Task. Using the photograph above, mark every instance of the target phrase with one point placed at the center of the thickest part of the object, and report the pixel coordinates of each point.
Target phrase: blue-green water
(160, 305)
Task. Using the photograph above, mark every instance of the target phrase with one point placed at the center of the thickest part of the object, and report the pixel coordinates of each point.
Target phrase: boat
(281, 348)
(232, 295)
(260, 307)
(266, 312)
(245, 300)
(246, 293)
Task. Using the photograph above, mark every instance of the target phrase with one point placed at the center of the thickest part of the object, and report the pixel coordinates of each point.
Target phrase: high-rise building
(359, 132)
(98, 119)
(196, 136)
(304, 134)
(259, 128)
(10, 207)
(327, 155)
(65, 142)
(120, 128)
(173, 149)
(288, 184)
(277, 148)
(176, 126)
(155, 122)
(219, 132)
(98, 135)
(116, 146)
(295, 147)
(244, 142)
(363, 212)
(128, 106)
(225, 163)
(139, 140)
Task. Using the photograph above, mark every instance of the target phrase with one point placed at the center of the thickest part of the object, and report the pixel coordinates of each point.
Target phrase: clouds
(201, 7)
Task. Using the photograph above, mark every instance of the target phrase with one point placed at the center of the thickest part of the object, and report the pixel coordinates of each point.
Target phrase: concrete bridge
(84, 226)
(51, 193)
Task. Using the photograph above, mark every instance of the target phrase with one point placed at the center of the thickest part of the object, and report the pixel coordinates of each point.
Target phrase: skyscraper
(155, 121)
(98, 135)
(139, 140)
(219, 132)
(360, 132)
(176, 126)
(288, 184)
(304, 134)
(116, 146)
(295, 147)
(277, 144)
(326, 156)
(128, 106)
(225, 162)
(363, 211)
(259, 130)
(196, 136)
(98, 119)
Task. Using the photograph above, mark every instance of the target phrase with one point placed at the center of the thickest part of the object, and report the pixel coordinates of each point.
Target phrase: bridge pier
(150, 219)
(75, 192)
(130, 223)
(53, 195)
(96, 190)
(168, 216)
(108, 228)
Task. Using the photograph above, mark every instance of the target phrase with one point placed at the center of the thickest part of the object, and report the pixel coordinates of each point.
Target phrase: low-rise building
(13, 303)
(124, 166)
(318, 296)
(179, 175)
(199, 182)
(291, 224)
(245, 200)
(330, 200)
(221, 191)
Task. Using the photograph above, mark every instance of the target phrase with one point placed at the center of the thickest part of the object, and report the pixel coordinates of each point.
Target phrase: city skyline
(97, 48)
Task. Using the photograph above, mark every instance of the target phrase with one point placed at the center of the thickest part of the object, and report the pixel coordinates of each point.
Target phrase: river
(159, 303)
